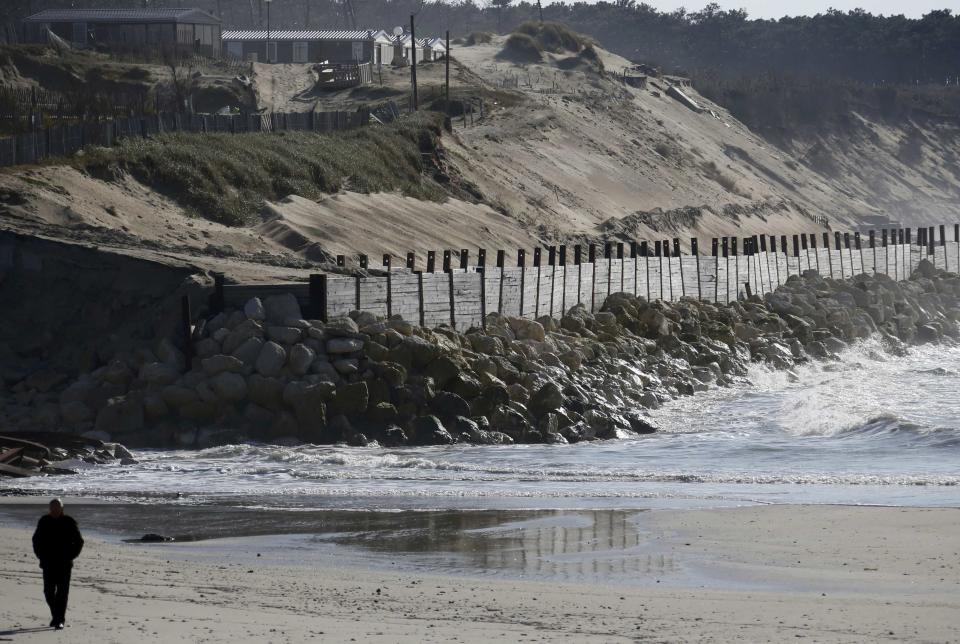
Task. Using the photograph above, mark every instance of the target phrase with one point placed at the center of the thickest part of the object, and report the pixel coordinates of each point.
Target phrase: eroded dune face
(562, 154)
(388, 223)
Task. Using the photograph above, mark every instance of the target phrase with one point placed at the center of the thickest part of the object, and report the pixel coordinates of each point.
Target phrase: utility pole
(413, 62)
(447, 57)
(540, 8)
(268, 31)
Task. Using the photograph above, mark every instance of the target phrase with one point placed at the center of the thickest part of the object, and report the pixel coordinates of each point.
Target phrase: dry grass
(227, 177)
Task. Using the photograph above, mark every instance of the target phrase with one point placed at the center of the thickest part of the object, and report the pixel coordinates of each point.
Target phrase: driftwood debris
(25, 454)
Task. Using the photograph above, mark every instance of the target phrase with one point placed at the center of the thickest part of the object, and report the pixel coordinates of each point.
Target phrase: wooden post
(482, 272)
(217, 301)
(521, 261)
(453, 302)
(578, 262)
(431, 260)
(482, 257)
(464, 255)
(386, 264)
(592, 253)
(695, 251)
(776, 259)
(501, 262)
(552, 263)
(411, 261)
(813, 246)
(620, 257)
(363, 262)
(446, 261)
(341, 260)
(318, 296)
(608, 255)
(836, 236)
(186, 318)
(420, 295)
(536, 263)
(447, 84)
(666, 254)
(676, 253)
(562, 258)
(956, 238)
(413, 63)
(642, 252)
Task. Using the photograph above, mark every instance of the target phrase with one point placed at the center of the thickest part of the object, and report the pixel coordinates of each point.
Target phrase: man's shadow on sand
(23, 631)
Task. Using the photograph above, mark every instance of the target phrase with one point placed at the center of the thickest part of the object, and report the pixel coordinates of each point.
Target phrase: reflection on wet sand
(561, 545)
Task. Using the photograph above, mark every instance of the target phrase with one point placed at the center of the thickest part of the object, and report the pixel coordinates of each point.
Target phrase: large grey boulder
(300, 359)
(344, 345)
(178, 396)
(220, 363)
(229, 386)
(120, 415)
(244, 330)
(271, 359)
(546, 399)
(171, 355)
(448, 405)
(428, 430)
(254, 310)
(159, 373)
(249, 351)
(265, 391)
(341, 327)
(350, 400)
(206, 347)
(279, 308)
(284, 334)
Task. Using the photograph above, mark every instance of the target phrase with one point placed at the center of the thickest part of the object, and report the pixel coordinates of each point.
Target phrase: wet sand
(768, 573)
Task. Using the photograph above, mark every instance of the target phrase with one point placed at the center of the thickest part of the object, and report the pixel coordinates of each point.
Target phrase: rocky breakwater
(265, 373)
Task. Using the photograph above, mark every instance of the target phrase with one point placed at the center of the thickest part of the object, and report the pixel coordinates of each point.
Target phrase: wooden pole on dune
(413, 62)
(447, 57)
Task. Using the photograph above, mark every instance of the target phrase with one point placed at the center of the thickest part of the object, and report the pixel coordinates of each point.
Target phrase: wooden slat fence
(65, 140)
(461, 296)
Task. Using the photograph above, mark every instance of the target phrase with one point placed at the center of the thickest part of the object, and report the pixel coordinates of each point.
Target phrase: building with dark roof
(182, 31)
(289, 46)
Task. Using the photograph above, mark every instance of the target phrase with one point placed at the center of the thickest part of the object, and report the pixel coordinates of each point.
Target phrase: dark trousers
(56, 587)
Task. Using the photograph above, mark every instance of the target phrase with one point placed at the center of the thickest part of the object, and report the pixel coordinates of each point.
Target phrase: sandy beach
(758, 574)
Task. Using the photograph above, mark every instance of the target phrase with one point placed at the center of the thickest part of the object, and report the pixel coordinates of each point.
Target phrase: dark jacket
(57, 542)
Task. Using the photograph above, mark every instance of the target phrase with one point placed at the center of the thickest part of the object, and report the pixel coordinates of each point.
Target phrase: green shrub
(554, 36)
(228, 177)
(478, 38)
(521, 48)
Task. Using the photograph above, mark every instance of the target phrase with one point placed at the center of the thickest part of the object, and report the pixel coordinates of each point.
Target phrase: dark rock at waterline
(641, 424)
(154, 538)
(428, 430)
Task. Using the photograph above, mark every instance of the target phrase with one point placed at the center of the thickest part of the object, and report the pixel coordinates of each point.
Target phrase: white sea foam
(869, 428)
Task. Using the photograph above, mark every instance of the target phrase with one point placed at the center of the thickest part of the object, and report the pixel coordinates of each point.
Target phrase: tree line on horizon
(854, 45)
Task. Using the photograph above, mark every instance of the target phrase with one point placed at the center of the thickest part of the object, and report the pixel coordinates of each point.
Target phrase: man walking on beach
(57, 542)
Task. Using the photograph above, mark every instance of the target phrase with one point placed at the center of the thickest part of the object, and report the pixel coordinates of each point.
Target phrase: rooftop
(285, 34)
(122, 15)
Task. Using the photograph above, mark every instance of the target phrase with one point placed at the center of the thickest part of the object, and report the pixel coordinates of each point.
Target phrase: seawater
(870, 428)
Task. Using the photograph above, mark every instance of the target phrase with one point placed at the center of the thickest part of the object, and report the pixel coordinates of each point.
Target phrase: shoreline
(829, 572)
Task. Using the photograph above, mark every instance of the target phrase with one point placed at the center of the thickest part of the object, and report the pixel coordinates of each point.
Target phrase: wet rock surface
(264, 373)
